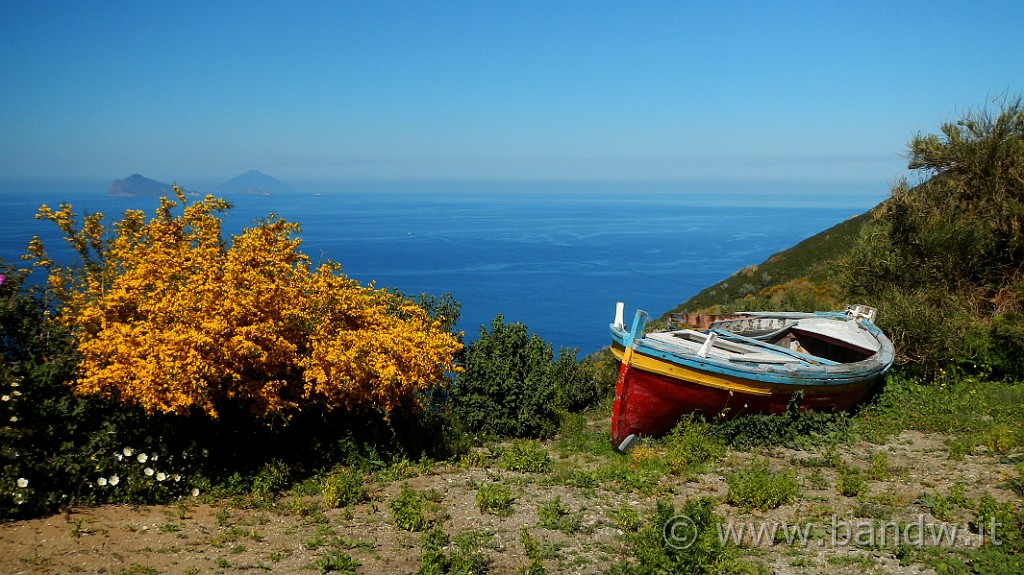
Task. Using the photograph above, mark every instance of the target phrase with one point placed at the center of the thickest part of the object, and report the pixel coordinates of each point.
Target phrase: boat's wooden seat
(694, 341)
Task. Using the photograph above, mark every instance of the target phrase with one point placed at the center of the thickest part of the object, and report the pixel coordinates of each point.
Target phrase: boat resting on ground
(752, 362)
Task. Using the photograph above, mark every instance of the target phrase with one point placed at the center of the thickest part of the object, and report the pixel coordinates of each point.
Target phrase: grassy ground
(824, 496)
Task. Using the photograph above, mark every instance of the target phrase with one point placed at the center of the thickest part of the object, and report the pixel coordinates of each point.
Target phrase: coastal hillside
(812, 259)
(942, 261)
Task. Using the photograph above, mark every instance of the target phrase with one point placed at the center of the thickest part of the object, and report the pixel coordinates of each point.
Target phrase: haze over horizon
(602, 91)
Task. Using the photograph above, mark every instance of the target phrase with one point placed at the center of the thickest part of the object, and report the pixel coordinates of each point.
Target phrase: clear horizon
(481, 91)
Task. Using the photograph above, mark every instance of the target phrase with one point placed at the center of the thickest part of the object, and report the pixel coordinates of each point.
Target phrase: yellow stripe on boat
(653, 365)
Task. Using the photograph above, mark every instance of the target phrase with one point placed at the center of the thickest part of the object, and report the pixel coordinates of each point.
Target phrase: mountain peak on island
(137, 185)
(253, 182)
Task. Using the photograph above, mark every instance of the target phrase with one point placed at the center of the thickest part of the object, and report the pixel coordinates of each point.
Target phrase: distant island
(252, 183)
(136, 186)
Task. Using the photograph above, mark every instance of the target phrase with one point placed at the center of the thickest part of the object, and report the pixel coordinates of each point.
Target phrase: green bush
(692, 444)
(408, 510)
(582, 384)
(525, 456)
(758, 487)
(463, 556)
(795, 427)
(508, 385)
(343, 489)
(850, 482)
(685, 541)
(556, 515)
(494, 498)
(943, 259)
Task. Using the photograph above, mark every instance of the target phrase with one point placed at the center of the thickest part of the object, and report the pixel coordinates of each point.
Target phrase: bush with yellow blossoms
(169, 316)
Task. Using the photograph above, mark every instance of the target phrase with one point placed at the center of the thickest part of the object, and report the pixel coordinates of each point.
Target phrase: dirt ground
(291, 536)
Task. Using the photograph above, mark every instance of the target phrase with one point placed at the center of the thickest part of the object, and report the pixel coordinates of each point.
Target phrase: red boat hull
(649, 404)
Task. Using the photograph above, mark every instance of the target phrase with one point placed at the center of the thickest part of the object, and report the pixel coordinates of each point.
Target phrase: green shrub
(942, 259)
(463, 556)
(758, 487)
(408, 510)
(335, 562)
(556, 515)
(692, 444)
(627, 517)
(879, 469)
(796, 427)
(494, 498)
(533, 554)
(508, 384)
(582, 384)
(685, 541)
(850, 482)
(343, 489)
(526, 456)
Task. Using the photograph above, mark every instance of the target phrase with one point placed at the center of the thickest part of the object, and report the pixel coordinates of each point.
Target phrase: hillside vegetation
(942, 260)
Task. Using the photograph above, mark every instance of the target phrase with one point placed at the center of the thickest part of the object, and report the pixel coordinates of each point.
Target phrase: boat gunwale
(796, 373)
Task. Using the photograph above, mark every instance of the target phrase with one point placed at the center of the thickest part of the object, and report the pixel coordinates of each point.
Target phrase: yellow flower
(170, 317)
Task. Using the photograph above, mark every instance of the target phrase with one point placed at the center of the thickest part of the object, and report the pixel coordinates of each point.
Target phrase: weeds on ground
(758, 487)
(987, 413)
(795, 428)
(462, 558)
(494, 498)
(343, 489)
(684, 541)
(850, 482)
(556, 515)
(533, 554)
(1002, 551)
(525, 456)
(335, 562)
(408, 510)
(691, 445)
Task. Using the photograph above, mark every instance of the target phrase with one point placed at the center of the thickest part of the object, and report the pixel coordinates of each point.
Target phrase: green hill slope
(812, 259)
(942, 261)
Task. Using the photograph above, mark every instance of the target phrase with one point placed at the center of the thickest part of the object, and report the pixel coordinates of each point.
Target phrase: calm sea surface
(554, 257)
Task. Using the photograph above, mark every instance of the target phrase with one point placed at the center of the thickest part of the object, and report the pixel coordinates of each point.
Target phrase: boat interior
(781, 341)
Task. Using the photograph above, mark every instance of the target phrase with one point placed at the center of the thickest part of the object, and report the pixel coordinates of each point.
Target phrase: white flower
(114, 480)
(148, 471)
(14, 419)
(18, 498)
(142, 457)
(128, 451)
(195, 492)
(118, 456)
(15, 384)
(5, 398)
(102, 481)
(177, 477)
(206, 452)
(154, 457)
(22, 482)
(161, 476)
(16, 393)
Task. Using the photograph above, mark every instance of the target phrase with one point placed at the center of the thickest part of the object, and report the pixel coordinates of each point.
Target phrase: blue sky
(198, 92)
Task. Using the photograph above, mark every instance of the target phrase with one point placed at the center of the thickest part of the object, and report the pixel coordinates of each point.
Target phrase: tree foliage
(168, 315)
(944, 259)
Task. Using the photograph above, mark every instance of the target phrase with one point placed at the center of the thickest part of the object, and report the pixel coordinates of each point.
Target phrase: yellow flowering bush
(169, 316)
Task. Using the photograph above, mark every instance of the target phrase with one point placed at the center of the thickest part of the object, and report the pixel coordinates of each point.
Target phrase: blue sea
(555, 257)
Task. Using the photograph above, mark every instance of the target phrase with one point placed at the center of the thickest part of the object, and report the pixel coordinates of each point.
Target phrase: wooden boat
(747, 363)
